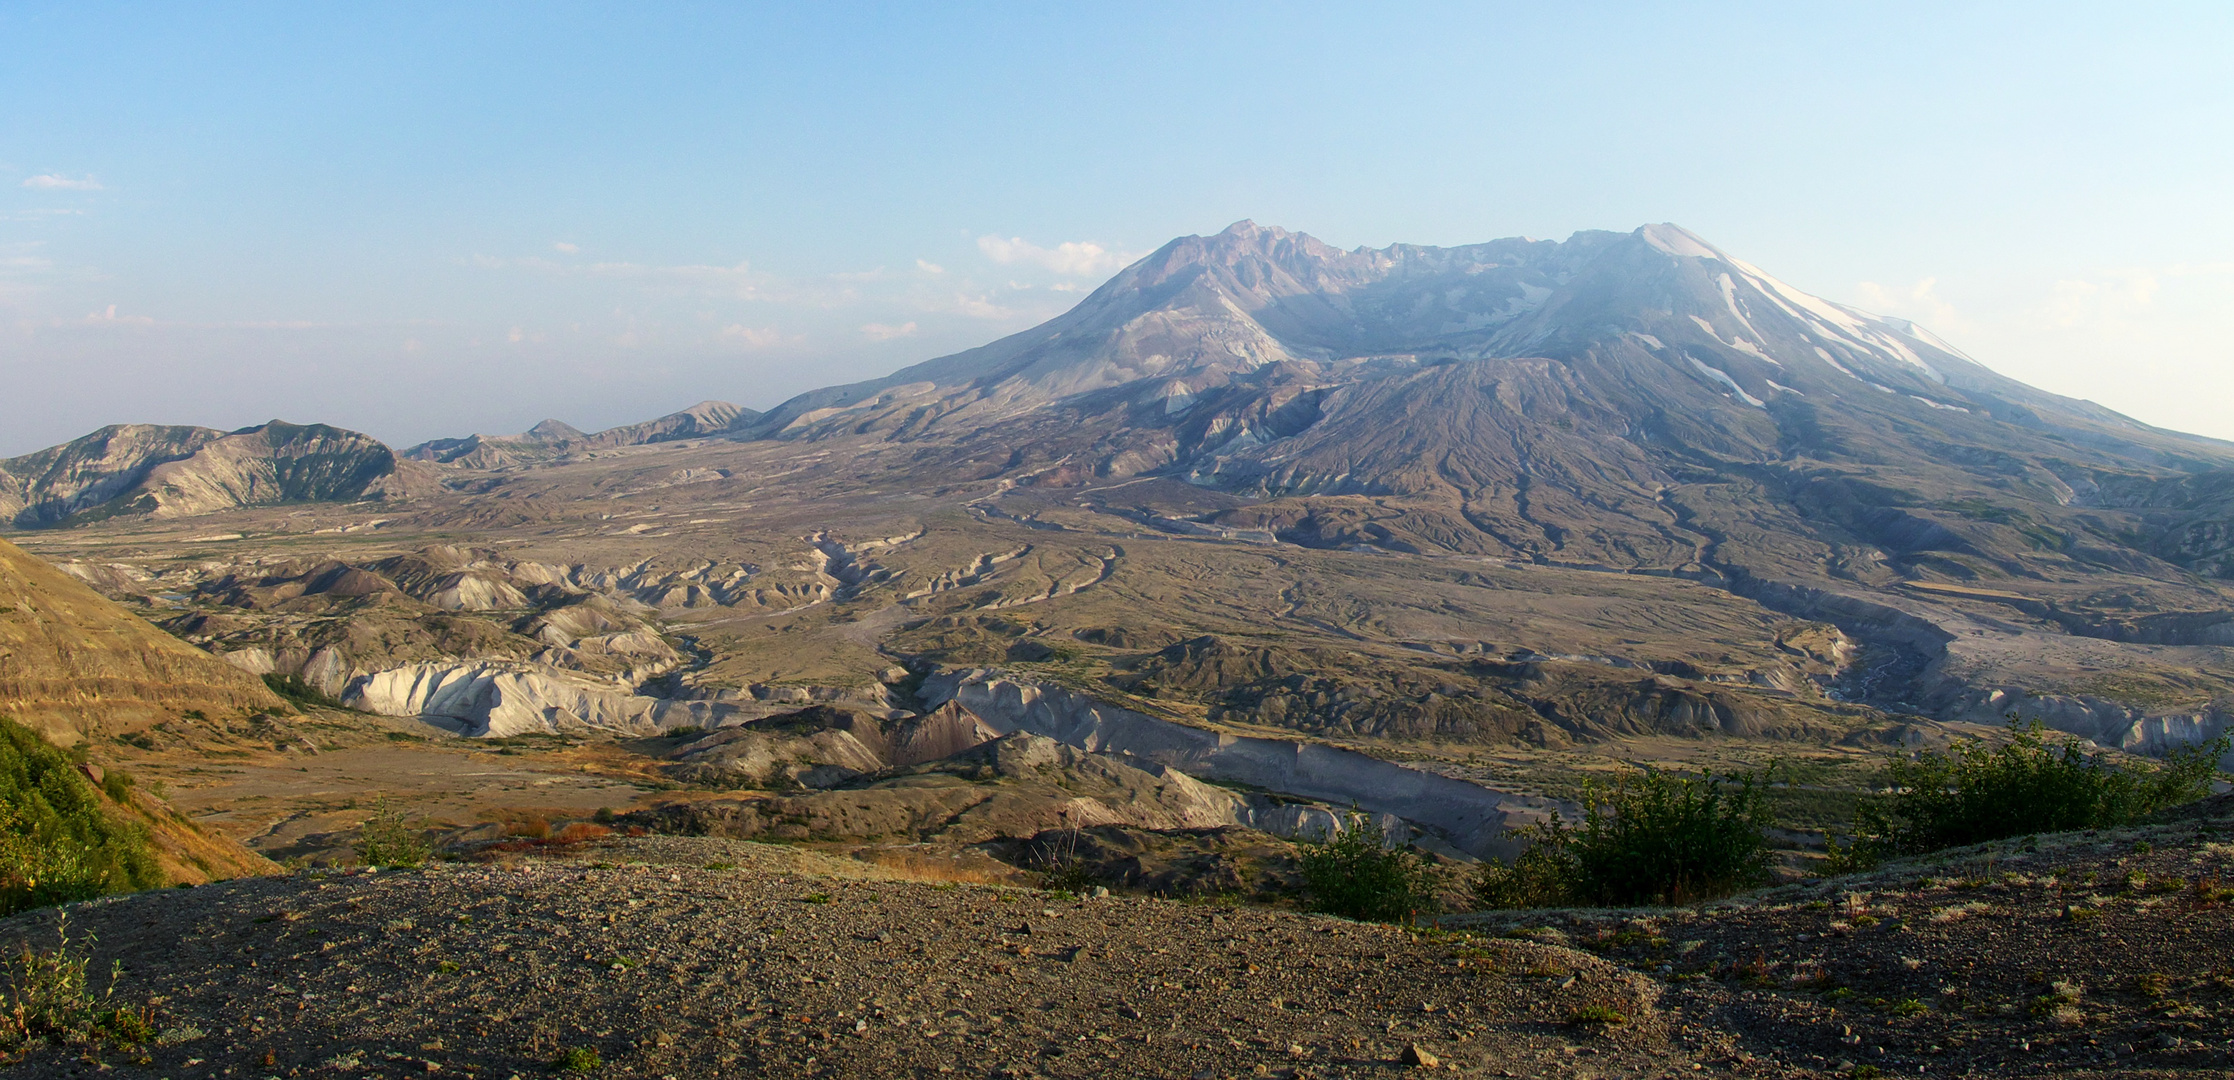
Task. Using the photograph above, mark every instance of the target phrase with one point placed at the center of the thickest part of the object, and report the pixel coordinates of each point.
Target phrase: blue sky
(423, 220)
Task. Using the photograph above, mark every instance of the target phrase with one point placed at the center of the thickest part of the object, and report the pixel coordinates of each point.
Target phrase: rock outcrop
(1471, 818)
(494, 699)
(1015, 785)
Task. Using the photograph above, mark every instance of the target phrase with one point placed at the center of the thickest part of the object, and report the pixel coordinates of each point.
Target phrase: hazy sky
(422, 220)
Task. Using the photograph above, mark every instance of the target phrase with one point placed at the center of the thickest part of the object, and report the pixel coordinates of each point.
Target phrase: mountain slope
(1553, 398)
(146, 469)
(73, 663)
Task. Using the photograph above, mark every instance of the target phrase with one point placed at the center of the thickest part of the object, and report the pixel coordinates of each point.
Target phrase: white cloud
(1916, 303)
(1071, 258)
(929, 267)
(979, 307)
(58, 182)
(111, 318)
(882, 332)
(749, 337)
(564, 248)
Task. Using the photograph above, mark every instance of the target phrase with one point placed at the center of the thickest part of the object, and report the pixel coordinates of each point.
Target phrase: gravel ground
(2111, 951)
(686, 958)
(666, 967)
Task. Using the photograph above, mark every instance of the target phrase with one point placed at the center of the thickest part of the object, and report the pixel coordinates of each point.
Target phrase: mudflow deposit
(1259, 532)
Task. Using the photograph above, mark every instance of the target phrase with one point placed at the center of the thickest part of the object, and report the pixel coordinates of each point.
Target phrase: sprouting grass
(578, 1059)
(1597, 1014)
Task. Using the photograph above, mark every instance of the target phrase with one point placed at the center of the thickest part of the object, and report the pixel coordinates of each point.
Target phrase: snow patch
(1833, 361)
(1939, 404)
(1723, 377)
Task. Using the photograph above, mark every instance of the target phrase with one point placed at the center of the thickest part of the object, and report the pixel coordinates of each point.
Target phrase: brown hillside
(73, 663)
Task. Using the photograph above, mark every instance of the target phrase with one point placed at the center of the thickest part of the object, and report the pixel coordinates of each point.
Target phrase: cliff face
(132, 469)
(73, 664)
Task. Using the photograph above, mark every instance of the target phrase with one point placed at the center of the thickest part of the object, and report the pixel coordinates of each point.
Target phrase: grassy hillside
(58, 841)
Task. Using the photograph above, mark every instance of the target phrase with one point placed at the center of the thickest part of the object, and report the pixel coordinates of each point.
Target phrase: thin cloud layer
(883, 332)
(58, 182)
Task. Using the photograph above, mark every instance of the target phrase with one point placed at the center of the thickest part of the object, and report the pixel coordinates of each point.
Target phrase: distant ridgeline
(177, 471)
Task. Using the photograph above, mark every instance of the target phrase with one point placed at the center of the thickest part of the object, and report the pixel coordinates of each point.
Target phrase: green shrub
(388, 840)
(1973, 794)
(57, 842)
(1355, 874)
(117, 785)
(1652, 838)
(299, 693)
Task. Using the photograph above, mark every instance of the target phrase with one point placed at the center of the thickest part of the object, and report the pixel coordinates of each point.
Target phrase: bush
(388, 840)
(1355, 874)
(1650, 839)
(1973, 794)
(299, 693)
(57, 842)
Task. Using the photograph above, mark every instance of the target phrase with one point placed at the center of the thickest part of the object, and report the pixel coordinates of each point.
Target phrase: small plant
(603, 816)
(818, 898)
(447, 967)
(50, 998)
(1597, 1014)
(1653, 838)
(1061, 869)
(578, 1059)
(388, 840)
(1865, 1072)
(1906, 1007)
(1354, 873)
(2062, 994)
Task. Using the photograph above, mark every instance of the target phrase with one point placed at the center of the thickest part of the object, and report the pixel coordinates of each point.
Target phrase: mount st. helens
(1499, 499)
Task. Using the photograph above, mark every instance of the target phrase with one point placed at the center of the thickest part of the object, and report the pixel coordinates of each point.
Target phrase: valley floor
(707, 958)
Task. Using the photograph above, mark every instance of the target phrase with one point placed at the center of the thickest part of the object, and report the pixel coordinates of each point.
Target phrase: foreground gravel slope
(706, 958)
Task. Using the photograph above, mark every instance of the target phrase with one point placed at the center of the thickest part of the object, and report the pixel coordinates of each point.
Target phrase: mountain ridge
(182, 471)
